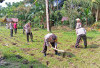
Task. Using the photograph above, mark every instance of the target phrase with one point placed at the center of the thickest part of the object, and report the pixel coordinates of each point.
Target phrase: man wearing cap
(27, 29)
(78, 24)
(81, 33)
(52, 39)
(11, 28)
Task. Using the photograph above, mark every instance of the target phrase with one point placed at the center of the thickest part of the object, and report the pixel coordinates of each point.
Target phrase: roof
(12, 19)
(64, 18)
(8, 19)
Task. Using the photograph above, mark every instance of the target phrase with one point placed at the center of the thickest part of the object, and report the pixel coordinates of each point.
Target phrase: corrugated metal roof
(64, 18)
(12, 19)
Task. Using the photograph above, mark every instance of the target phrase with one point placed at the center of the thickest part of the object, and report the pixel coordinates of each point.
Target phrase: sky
(11, 1)
(55, 2)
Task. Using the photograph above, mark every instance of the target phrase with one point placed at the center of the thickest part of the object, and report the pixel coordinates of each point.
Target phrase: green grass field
(16, 51)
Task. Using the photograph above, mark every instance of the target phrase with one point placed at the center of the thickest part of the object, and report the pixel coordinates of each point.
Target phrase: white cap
(77, 19)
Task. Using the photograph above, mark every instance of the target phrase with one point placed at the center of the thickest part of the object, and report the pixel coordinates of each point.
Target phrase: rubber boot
(56, 52)
(44, 54)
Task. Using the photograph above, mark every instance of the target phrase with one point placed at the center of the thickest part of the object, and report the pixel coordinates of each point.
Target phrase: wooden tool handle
(58, 50)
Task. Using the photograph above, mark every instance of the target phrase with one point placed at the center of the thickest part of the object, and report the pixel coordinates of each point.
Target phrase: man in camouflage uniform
(27, 29)
(52, 39)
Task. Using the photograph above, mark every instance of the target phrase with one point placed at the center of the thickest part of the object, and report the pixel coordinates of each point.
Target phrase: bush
(96, 25)
(20, 25)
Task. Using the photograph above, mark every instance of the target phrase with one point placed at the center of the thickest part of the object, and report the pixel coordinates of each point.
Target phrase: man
(11, 28)
(52, 39)
(27, 29)
(15, 27)
(81, 33)
(78, 24)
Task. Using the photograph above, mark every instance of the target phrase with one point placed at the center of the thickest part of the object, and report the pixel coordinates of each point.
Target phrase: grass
(10, 48)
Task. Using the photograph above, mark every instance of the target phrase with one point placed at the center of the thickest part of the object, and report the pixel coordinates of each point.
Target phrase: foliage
(96, 1)
(34, 11)
(96, 25)
(77, 8)
(96, 5)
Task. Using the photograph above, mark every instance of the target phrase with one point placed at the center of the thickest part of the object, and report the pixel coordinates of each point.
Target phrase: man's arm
(47, 43)
(55, 45)
(85, 30)
(76, 31)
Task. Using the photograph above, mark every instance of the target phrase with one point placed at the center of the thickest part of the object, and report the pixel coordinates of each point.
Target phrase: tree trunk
(97, 14)
(86, 21)
(57, 4)
(47, 15)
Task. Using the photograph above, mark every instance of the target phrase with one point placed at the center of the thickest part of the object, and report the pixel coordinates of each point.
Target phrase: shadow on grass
(93, 46)
(66, 54)
(90, 38)
(17, 61)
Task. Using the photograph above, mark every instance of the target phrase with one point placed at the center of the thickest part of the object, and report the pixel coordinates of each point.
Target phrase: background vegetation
(34, 11)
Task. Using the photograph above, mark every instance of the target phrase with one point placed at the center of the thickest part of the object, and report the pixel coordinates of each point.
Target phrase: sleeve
(80, 25)
(55, 43)
(85, 31)
(76, 31)
(47, 43)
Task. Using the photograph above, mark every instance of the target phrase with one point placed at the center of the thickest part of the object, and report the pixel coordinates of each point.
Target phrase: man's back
(10, 25)
(80, 31)
(27, 28)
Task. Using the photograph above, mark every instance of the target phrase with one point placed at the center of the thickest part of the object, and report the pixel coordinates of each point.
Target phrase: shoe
(44, 54)
(56, 53)
(76, 47)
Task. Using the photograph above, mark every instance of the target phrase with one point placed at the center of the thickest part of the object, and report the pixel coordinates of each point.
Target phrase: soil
(47, 62)
(60, 59)
(51, 55)
(32, 54)
(14, 43)
(25, 62)
(26, 49)
(18, 56)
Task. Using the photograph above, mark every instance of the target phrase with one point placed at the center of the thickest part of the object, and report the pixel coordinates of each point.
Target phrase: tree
(87, 13)
(97, 2)
(47, 15)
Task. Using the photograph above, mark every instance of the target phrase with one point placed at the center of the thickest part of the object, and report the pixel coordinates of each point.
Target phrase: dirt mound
(60, 59)
(32, 54)
(25, 49)
(28, 49)
(51, 55)
(14, 43)
(25, 62)
(18, 56)
(47, 62)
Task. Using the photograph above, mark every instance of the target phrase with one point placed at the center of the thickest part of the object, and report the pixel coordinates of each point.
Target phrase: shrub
(96, 25)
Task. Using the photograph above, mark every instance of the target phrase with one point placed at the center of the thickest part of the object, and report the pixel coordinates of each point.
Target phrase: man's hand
(55, 47)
